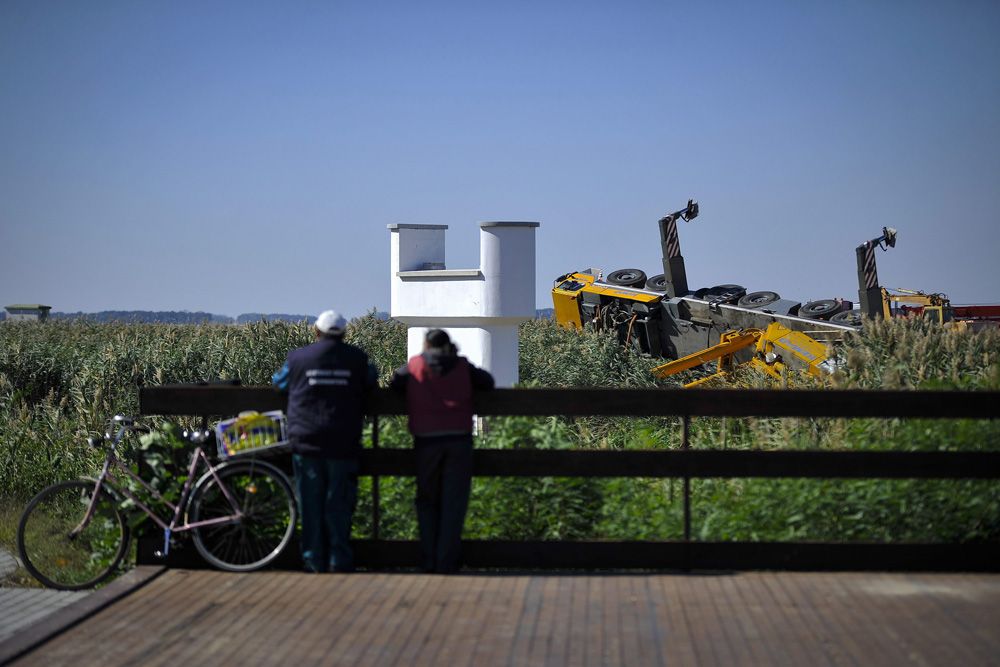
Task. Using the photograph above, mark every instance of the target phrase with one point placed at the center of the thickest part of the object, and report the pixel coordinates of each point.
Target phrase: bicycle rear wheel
(56, 557)
(265, 499)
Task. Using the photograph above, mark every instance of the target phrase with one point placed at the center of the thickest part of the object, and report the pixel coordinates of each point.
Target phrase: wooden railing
(684, 463)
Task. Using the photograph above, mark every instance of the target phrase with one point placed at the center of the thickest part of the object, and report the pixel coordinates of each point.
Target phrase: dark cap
(437, 338)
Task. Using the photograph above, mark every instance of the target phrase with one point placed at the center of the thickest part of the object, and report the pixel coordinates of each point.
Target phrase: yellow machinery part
(565, 298)
(568, 290)
(935, 303)
(619, 293)
(780, 341)
(730, 342)
(774, 346)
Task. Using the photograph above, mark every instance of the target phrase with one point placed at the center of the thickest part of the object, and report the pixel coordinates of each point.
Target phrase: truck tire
(757, 299)
(820, 310)
(712, 293)
(849, 317)
(657, 283)
(627, 278)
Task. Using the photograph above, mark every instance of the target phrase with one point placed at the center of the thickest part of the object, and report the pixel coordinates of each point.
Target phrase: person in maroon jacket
(439, 385)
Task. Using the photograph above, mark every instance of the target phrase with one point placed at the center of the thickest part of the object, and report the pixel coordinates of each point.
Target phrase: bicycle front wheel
(266, 505)
(58, 554)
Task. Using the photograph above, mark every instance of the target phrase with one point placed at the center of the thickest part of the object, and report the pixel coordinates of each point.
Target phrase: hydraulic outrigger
(771, 346)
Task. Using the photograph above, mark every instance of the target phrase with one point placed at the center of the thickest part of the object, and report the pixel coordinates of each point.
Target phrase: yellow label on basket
(249, 431)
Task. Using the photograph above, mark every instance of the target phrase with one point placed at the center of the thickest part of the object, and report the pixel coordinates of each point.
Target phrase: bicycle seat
(123, 420)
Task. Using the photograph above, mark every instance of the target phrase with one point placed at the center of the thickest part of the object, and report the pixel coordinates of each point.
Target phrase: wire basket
(251, 433)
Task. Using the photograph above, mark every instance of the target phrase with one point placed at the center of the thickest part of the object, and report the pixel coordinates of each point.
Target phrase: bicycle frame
(112, 464)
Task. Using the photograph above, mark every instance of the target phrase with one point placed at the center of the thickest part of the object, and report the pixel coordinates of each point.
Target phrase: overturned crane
(664, 318)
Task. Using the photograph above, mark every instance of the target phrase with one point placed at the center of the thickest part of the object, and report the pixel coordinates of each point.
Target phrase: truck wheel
(820, 310)
(627, 278)
(757, 299)
(657, 283)
(848, 317)
(735, 292)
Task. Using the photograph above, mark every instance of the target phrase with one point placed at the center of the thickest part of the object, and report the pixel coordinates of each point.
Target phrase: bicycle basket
(251, 433)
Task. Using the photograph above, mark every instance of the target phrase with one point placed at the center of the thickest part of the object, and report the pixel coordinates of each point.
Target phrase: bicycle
(241, 515)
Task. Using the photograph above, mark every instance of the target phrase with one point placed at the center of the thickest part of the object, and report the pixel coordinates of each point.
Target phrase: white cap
(330, 322)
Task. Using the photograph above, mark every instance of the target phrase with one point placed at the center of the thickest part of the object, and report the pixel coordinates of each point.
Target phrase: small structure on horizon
(27, 312)
(479, 308)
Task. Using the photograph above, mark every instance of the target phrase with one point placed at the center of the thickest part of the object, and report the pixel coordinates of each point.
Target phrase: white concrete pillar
(479, 308)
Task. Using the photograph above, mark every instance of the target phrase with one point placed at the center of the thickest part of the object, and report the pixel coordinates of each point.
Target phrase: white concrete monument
(479, 308)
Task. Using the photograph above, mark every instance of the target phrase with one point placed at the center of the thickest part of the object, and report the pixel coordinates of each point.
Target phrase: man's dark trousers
(328, 493)
(444, 481)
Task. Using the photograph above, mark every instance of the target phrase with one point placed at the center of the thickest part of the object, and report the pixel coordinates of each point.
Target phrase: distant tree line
(179, 317)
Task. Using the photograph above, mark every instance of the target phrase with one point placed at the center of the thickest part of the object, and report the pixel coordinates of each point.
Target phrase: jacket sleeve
(280, 379)
(399, 380)
(481, 380)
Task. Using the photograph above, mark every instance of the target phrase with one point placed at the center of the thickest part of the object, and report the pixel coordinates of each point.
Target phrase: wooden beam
(704, 463)
(229, 400)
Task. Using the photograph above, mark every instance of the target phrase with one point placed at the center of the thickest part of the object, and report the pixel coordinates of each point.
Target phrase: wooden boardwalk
(755, 618)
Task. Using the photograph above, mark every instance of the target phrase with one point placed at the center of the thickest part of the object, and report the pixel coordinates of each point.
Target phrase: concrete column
(479, 308)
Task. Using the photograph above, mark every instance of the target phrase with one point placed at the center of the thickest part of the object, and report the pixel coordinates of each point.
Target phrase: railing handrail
(684, 463)
(192, 399)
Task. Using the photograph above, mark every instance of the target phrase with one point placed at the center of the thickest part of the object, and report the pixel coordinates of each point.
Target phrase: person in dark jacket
(326, 384)
(439, 385)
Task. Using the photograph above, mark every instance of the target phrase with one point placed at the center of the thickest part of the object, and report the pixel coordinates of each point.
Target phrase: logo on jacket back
(320, 376)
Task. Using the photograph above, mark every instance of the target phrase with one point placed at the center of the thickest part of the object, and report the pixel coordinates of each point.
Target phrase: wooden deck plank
(701, 621)
(466, 592)
(558, 653)
(775, 634)
(211, 617)
(816, 601)
(628, 615)
(294, 611)
(299, 621)
(811, 640)
(478, 617)
(527, 618)
(496, 646)
(902, 609)
(576, 631)
(427, 615)
(383, 597)
(677, 649)
(893, 637)
(611, 629)
(394, 623)
(339, 611)
(844, 603)
(541, 630)
(63, 647)
(724, 628)
(214, 612)
(394, 643)
(202, 627)
(968, 623)
(595, 619)
(359, 615)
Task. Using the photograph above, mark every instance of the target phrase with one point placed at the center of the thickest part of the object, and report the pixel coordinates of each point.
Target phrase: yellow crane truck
(882, 302)
(664, 318)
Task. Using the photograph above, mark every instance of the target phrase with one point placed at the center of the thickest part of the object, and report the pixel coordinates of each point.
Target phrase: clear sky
(242, 156)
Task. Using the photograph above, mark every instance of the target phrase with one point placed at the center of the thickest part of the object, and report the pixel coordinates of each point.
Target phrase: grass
(60, 381)
(10, 514)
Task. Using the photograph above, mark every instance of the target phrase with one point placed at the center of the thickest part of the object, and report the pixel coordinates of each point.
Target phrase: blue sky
(243, 156)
